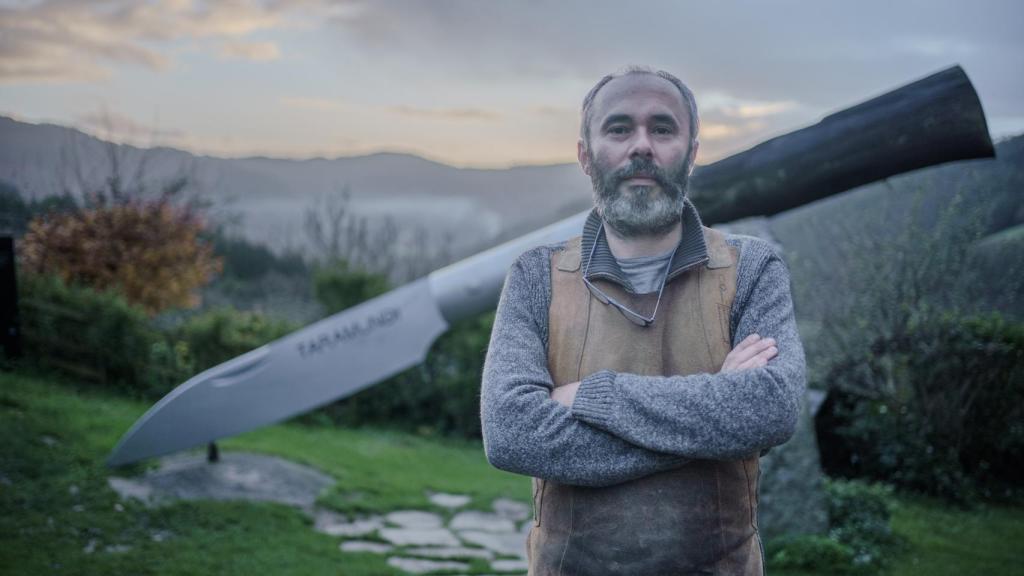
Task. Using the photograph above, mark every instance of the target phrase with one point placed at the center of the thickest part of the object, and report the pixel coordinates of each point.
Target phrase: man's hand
(752, 352)
(564, 395)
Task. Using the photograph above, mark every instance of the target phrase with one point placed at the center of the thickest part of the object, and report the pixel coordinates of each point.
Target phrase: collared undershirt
(646, 273)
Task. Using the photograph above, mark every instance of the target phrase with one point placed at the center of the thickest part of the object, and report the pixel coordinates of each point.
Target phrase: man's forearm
(524, 430)
(719, 416)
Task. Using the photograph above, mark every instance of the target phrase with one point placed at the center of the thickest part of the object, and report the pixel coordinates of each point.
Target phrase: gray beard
(644, 210)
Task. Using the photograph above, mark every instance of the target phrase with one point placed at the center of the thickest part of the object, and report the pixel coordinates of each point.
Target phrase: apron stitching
(701, 281)
(586, 336)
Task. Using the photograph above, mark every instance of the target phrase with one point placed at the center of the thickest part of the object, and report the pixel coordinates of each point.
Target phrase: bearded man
(638, 371)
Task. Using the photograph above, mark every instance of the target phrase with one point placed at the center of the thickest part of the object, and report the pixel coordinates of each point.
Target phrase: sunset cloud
(255, 51)
(438, 78)
(446, 113)
(307, 103)
(56, 41)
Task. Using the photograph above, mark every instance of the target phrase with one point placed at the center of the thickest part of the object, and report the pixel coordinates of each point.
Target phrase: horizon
(995, 140)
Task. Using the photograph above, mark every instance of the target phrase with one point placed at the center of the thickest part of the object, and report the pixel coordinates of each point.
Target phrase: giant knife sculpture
(933, 120)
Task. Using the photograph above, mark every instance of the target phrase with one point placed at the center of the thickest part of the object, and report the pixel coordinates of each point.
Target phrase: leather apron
(698, 519)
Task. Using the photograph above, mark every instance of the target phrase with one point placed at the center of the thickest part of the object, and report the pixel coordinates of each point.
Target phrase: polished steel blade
(330, 359)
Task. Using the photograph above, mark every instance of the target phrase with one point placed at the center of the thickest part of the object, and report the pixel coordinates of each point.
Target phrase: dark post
(212, 453)
(10, 335)
(933, 120)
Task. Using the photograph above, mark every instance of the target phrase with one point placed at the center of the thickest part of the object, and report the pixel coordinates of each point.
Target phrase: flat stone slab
(450, 553)
(417, 566)
(511, 509)
(420, 537)
(484, 521)
(502, 543)
(414, 519)
(525, 527)
(130, 488)
(450, 501)
(510, 566)
(237, 476)
(365, 546)
(334, 524)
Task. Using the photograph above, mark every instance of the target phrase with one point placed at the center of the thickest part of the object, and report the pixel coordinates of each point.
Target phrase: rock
(450, 553)
(78, 508)
(419, 536)
(510, 566)
(815, 398)
(449, 501)
(414, 519)
(365, 546)
(525, 528)
(118, 507)
(73, 490)
(90, 547)
(792, 495)
(49, 440)
(334, 524)
(502, 543)
(511, 509)
(117, 549)
(237, 476)
(473, 520)
(161, 535)
(417, 566)
(128, 488)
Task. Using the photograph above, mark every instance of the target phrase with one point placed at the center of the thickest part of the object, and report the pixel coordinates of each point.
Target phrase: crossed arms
(623, 426)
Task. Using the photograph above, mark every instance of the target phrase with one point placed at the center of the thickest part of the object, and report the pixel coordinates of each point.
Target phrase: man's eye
(618, 130)
(663, 130)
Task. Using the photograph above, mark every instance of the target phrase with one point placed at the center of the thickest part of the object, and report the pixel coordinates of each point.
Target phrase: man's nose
(641, 145)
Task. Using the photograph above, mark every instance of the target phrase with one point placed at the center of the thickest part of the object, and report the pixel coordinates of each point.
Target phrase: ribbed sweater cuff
(594, 398)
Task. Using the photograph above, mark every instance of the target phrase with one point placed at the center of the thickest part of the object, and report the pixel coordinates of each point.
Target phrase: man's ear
(582, 156)
(693, 154)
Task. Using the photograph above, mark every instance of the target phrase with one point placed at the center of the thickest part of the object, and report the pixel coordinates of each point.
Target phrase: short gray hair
(688, 99)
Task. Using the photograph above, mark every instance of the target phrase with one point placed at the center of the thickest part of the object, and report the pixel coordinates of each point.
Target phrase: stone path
(420, 542)
(414, 541)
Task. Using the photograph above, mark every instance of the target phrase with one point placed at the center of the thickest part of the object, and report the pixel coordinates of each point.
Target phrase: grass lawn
(58, 516)
(55, 502)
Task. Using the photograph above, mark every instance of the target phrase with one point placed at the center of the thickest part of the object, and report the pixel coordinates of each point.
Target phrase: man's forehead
(628, 93)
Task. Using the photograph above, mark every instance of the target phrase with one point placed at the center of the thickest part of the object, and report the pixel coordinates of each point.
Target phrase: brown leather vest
(698, 519)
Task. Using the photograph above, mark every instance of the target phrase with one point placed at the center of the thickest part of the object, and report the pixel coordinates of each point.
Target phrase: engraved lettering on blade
(328, 340)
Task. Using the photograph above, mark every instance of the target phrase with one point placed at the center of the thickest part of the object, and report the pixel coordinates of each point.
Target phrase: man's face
(639, 154)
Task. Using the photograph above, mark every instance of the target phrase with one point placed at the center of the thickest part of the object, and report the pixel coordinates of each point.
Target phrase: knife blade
(329, 359)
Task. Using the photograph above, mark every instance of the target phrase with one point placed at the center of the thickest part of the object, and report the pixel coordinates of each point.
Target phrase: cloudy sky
(474, 82)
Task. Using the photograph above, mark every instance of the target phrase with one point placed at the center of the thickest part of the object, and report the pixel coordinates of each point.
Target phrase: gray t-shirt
(646, 273)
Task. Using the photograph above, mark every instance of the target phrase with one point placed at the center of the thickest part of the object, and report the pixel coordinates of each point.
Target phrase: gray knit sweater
(625, 426)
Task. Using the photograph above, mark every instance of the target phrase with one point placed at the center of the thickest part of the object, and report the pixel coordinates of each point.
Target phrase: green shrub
(246, 261)
(810, 552)
(87, 335)
(860, 539)
(99, 337)
(441, 396)
(937, 410)
(220, 335)
(859, 518)
(338, 286)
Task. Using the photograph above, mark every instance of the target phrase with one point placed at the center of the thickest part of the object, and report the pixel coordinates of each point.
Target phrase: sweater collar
(692, 250)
